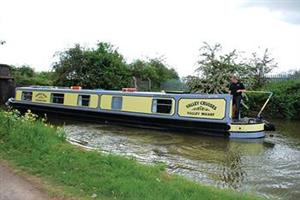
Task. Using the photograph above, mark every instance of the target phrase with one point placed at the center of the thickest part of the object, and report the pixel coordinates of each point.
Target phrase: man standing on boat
(236, 88)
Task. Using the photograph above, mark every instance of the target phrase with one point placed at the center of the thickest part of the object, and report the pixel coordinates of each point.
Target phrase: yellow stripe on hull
(246, 127)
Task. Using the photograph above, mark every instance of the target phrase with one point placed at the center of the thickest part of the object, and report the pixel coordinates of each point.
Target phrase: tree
(164, 73)
(215, 68)
(154, 69)
(26, 76)
(2, 42)
(69, 68)
(24, 70)
(259, 66)
(103, 67)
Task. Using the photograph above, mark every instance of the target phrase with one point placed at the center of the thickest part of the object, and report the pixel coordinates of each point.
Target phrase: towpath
(15, 187)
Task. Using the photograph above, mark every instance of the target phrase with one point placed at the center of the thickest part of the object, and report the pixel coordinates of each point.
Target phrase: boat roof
(102, 91)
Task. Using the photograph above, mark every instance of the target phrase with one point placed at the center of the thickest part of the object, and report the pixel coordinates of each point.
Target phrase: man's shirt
(234, 87)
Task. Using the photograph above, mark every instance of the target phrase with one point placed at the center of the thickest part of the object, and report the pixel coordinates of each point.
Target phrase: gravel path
(14, 187)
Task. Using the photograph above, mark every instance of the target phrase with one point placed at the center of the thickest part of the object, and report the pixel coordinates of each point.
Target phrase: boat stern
(247, 130)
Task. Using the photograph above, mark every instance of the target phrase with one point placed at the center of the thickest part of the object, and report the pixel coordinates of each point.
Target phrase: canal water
(269, 167)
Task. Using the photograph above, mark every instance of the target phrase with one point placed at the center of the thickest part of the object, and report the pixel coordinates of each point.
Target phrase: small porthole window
(27, 96)
(57, 98)
(84, 100)
(116, 103)
(163, 106)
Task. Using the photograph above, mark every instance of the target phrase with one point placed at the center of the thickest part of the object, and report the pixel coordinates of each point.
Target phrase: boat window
(116, 103)
(57, 98)
(27, 96)
(162, 106)
(84, 100)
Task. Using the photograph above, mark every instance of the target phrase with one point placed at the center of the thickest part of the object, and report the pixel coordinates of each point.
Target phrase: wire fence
(283, 77)
(174, 85)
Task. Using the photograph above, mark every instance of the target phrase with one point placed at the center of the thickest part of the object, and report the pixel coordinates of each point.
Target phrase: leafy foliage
(153, 69)
(259, 67)
(215, 68)
(285, 102)
(26, 76)
(103, 67)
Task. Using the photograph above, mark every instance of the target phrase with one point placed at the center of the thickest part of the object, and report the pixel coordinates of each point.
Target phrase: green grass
(44, 152)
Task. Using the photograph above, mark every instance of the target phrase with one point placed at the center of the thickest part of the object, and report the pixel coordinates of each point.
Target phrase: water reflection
(268, 166)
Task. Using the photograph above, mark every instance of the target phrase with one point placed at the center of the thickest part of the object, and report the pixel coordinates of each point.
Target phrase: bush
(285, 102)
(26, 76)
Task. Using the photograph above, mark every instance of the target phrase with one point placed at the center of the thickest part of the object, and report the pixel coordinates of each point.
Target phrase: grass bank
(43, 151)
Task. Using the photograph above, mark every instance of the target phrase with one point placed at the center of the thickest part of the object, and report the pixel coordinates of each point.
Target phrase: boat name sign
(41, 97)
(202, 108)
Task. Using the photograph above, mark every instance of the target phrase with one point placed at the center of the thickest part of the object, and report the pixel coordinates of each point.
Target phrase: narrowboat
(195, 113)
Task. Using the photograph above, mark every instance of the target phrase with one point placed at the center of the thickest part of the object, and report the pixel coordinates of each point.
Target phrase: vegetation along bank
(42, 150)
(285, 102)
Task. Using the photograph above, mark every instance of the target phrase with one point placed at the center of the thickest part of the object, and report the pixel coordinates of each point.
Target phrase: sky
(34, 30)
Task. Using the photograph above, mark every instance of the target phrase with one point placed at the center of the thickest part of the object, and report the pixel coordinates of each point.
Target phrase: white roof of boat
(67, 89)
(85, 90)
